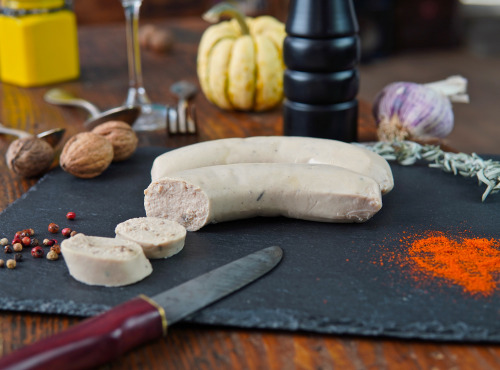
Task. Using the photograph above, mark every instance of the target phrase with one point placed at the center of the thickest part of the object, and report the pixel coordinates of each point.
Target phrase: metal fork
(182, 119)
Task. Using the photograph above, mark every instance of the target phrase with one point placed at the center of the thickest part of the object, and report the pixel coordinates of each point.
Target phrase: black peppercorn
(7, 248)
(18, 257)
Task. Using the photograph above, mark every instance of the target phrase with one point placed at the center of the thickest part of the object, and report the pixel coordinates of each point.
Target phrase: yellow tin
(38, 42)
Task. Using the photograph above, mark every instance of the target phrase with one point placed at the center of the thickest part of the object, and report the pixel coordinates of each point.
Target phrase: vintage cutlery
(184, 121)
(128, 114)
(98, 340)
(53, 136)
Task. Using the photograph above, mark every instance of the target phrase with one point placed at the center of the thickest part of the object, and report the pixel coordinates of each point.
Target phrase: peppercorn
(47, 242)
(66, 231)
(18, 257)
(53, 228)
(26, 232)
(37, 252)
(52, 255)
(34, 242)
(4, 241)
(17, 239)
(56, 248)
(18, 247)
(11, 264)
(2, 263)
(26, 241)
(73, 233)
(70, 215)
(7, 249)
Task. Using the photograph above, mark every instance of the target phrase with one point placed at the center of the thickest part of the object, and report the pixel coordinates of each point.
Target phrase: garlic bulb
(411, 111)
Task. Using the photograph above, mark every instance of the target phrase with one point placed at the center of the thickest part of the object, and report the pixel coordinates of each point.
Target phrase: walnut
(29, 156)
(155, 38)
(121, 136)
(86, 155)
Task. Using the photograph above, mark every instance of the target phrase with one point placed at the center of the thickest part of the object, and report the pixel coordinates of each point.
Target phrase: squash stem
(214, 14)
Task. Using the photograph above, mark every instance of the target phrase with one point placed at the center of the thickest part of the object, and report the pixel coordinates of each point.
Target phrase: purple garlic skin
(411, 111)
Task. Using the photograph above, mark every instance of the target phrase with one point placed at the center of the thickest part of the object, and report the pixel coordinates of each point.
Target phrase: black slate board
(330, 280)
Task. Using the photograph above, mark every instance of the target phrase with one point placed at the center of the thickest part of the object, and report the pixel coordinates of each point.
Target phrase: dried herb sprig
(467, 165)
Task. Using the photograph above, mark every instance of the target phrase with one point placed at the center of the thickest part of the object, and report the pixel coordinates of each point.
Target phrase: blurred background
(402, 40)
(386, 26)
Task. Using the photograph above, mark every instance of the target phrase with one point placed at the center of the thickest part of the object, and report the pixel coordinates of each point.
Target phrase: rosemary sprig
(466, 165)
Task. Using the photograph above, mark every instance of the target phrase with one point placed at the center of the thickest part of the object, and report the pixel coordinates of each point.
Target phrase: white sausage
(275, 149)
(158, 237)
(211, 194)
(103, 261)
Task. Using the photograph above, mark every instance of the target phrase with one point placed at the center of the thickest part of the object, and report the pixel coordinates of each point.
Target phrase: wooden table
(104, 81)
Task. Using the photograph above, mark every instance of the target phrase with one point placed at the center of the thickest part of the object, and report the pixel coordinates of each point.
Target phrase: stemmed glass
(153, 116)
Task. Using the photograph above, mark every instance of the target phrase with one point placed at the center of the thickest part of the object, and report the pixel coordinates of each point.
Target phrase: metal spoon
(127, 114)
(53, 136)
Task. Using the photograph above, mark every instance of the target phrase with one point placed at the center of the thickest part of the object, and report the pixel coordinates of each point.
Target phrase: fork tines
(181, 120)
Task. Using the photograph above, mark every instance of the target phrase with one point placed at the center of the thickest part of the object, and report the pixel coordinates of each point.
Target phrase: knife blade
(100, 339)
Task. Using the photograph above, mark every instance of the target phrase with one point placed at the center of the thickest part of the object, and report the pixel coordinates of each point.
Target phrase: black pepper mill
(321, 53)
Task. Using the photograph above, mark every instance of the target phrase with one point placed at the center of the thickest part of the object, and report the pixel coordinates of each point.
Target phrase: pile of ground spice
(468, 261)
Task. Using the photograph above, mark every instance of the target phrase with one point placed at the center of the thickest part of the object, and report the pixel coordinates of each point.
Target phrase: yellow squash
(240, 61)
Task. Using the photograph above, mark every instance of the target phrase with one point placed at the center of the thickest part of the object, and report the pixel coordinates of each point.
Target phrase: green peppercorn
(2, 263)
(52, 255)
(18, 247)
(4, 241)
(11, 264)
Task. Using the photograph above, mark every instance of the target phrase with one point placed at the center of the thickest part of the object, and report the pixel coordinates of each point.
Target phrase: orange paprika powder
(471, 262)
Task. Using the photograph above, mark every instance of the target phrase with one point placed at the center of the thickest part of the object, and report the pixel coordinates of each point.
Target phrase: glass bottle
(39, 42)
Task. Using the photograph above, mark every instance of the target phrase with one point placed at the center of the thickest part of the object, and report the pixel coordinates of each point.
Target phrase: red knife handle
(94, 341)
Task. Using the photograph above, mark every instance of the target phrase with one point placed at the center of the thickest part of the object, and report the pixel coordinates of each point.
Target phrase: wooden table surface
(104, 81)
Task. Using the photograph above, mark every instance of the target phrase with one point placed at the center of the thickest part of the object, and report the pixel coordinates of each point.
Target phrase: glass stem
(136, 93)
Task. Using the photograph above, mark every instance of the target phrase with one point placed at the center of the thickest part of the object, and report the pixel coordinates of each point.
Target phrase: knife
(98, 340)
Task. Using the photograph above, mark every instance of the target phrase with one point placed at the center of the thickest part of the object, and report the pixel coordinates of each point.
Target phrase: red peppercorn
(56, 248)
(37, 252)
(26, 232)
(66, 231)
(49, 242)
(70, 215)
(16, 239)
(53, 228)
(26, 241)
